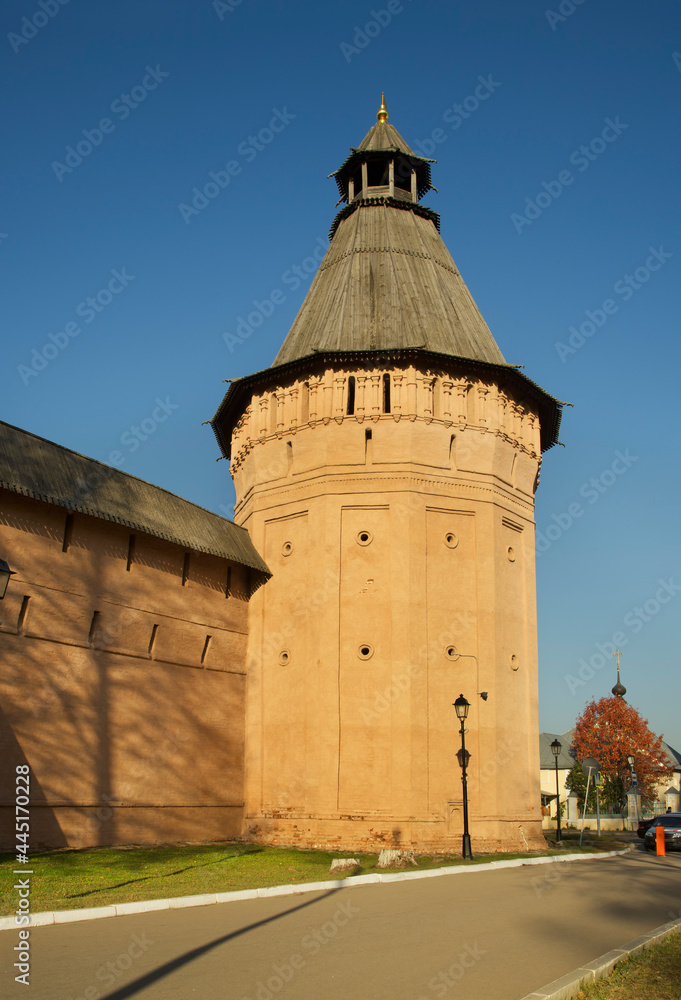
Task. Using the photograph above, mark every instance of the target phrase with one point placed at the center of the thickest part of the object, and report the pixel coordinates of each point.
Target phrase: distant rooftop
(566, 758)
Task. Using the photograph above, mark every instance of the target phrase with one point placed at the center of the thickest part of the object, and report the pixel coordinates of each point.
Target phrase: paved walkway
(490, 935)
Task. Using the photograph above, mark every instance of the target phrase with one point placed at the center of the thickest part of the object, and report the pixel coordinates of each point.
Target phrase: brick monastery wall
(121, 682)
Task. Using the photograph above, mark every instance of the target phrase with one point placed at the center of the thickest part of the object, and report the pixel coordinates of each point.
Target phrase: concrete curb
(144, 906)
(570, 985)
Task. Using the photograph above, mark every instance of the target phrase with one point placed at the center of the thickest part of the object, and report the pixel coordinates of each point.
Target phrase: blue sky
(580, 285)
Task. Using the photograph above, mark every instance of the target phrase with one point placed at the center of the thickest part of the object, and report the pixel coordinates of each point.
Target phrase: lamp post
(5, 573)
(556, 747)
(461, 707)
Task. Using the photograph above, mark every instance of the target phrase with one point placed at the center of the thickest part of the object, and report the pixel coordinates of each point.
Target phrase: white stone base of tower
(370, 834)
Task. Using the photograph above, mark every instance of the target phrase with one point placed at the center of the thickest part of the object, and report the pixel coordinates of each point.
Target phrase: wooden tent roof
(388, 281)
(388, 290)
(382, 136)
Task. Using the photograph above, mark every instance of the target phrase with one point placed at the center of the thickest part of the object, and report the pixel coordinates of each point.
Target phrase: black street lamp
(5, 573)
(556, 747)
(461, 707)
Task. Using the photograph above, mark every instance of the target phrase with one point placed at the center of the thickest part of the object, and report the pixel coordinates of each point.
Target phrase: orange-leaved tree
(611, 730)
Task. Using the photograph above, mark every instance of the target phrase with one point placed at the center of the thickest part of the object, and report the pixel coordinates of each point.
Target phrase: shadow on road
(164, 970)
(654, 883)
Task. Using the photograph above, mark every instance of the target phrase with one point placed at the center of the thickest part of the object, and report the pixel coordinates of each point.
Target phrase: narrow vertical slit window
(185, 569)
(131, 552)
(93, 628)
(451, 449)
(228, 584)
(205, 649)
(152, 640)
(351, 395)
(367, 446)
(289, 455)
(386, 393)
(304, 402)
(68, 532)
(21, 620)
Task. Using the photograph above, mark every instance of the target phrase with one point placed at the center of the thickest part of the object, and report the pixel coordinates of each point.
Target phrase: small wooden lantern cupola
(383, 166)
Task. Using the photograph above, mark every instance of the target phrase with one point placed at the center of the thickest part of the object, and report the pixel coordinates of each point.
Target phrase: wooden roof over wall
(40, 469)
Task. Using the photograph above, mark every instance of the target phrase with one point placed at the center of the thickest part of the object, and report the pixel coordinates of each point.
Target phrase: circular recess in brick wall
(364, 538)
(285, 657)
(451, 653)
(515, 662)
(511, 554)
(287, 548)
(365, 651)
(451, 540)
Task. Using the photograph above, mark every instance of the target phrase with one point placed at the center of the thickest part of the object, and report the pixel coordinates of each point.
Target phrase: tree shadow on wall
(11, 754)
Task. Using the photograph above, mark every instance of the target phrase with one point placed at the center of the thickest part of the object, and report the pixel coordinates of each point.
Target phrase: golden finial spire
(382, 114)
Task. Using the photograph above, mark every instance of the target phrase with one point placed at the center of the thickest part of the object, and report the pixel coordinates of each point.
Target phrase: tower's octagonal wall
(394, 507)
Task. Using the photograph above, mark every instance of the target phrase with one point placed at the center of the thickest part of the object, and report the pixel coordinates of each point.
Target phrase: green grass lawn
(70, 879)
(652, 975)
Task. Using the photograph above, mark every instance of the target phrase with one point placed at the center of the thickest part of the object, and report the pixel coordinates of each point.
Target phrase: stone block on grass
(345, 866)
(396, 859)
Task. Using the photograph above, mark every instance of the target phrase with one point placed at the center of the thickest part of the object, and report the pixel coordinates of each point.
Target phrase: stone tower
(385, 467)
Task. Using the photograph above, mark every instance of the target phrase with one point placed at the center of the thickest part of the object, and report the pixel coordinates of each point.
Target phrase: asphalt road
(489, 936)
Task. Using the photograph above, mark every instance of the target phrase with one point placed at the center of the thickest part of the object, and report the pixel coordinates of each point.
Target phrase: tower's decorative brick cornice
(364, 394)
(418, 380)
